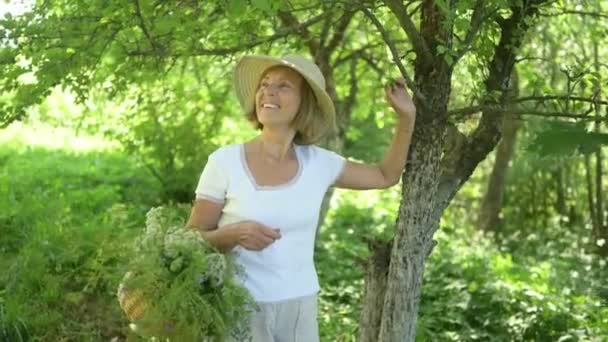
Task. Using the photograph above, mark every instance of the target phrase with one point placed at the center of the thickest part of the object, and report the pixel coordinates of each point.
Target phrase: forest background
(497, 232)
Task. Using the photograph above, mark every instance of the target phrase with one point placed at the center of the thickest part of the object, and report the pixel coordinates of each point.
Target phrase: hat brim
(248, 73)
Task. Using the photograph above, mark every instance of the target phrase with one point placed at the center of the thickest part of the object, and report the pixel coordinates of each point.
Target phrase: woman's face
(278, 96)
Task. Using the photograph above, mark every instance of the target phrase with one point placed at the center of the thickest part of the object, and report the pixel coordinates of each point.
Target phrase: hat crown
(310, 69)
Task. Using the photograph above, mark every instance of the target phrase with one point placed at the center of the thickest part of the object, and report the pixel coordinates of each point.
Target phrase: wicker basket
(133, 302)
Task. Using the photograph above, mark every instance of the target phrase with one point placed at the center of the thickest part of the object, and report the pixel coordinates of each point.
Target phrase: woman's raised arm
(387, 172)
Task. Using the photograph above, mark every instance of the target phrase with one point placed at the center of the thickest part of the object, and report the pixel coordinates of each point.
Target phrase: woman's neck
(274, 144)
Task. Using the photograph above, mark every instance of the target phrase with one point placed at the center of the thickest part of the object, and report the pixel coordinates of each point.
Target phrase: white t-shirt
(284, 269)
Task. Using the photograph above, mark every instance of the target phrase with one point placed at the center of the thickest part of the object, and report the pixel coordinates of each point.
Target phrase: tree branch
(237, 48)
(420, 98)
(144, 27)
(461, 112)
(568, 12)
(325, 30)
(578, 116)
(289, 20)
(477, 18)
(399, 10)
(545, 98)
(351, 99)
(338, 35)
(522, 111)
(370, 61)
(366, 57)
(487, 133)
(361, 52)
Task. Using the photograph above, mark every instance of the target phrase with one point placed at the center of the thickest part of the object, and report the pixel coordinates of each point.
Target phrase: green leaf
(235, 7)
(448, 59)
(563, 138)
(264, 5)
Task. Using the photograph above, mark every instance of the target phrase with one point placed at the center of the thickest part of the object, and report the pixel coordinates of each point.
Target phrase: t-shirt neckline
(252, 180)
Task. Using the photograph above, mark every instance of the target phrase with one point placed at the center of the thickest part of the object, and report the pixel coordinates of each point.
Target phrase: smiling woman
(280, 83)
(260, 200)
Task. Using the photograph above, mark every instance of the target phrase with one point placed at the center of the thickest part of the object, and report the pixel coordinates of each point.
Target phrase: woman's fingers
(259, 237)
(396, 83)
(265, 240)
(261, 242)
(255, 244)
(271, 233)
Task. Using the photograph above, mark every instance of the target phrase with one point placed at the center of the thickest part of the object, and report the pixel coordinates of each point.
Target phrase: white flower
(177, 265)
(216, 268)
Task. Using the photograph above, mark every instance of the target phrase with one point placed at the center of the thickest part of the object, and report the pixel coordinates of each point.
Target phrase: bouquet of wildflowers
(180, 287)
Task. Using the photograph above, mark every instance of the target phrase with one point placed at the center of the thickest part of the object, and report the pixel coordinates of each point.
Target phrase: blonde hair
(309, 124)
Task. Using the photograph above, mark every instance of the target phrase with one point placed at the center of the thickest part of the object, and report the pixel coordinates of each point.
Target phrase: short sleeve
(212, 184)
(334, 164)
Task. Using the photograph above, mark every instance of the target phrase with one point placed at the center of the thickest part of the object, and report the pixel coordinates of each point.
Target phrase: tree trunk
(375, 289)
(602, 233)
(489, 215)
(599, 194)
(560, 201)
(491, 204)
(413, 241)
(600, 210)
(590, 199)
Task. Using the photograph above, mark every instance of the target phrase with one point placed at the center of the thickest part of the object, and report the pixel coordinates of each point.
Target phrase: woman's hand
(255, 236)
(399, 98)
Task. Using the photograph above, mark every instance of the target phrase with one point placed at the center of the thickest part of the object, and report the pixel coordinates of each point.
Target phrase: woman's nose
(270, 89)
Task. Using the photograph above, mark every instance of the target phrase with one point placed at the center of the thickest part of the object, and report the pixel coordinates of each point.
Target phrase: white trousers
(292, 320)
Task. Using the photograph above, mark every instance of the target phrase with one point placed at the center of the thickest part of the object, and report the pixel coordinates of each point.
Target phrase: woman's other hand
(255, 236)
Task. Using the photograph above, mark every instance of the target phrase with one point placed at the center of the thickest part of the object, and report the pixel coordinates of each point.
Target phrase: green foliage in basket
(189, 288)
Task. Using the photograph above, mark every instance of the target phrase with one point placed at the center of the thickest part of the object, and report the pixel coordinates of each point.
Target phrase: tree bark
(413, 241)
(375, 290)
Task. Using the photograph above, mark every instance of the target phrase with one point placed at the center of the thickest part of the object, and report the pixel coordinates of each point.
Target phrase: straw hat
(249, 71)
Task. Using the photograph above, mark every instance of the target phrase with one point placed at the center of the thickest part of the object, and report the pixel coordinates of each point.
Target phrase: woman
(260, 200)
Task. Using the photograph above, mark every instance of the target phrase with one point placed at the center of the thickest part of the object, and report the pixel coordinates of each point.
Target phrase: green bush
(63, 238)
(473, 289)
(475, 292)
